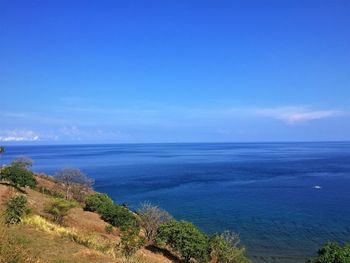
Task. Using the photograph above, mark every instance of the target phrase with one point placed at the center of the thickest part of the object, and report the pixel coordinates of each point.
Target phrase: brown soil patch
(88, 222)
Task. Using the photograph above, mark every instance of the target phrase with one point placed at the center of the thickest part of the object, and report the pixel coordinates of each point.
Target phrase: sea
(283, 199)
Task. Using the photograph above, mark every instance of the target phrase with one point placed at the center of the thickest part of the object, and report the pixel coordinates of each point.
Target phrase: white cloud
(293, 115)
(19, 136)
(120, 124)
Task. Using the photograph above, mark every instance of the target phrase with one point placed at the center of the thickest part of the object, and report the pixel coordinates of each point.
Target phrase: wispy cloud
(91, 123)
(292, 115)
(69, 117)
(75, 133)
(18, 136)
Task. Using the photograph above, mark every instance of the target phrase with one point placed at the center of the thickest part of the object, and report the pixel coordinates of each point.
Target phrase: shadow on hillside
(164, 252)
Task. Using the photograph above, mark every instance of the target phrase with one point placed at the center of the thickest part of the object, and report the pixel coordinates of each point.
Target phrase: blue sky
(174, 71)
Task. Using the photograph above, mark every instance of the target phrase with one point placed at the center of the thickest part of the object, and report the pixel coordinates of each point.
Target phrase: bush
(58, 208)
(18, 176)
(130, 242)
(109, 229)
(223, 247)
(332, 253)
(120, 216)
(116, 215)
(97, 202)
(185, 238)
(16, 207)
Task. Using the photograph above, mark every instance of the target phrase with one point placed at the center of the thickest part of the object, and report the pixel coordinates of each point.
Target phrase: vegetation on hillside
(97, 202)
(16, 208)
(13, 250)
(184, 238)
(130, 242)
(74, 181)
(114, 214)
(17, 174)
(224, 248)
(58, 208)
(151, 217)
(332, 252)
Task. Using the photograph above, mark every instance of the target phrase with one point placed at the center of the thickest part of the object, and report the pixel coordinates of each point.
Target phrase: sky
(174, 71)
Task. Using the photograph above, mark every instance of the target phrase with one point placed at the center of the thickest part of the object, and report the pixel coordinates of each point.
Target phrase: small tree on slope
(71, 177)
(152, 216)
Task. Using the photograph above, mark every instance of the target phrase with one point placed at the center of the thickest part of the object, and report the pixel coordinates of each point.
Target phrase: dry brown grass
(6, 193)
(149, 256)
(12, 248)
(88, 221)
(90, 240)
(40, 247)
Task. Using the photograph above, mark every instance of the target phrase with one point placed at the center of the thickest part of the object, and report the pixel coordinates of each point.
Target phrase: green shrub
(185, 238)
(97, 202)
(130, 242)
(119, 216)
(109, 229)
(115, 215)
(16, 207)
(17, 176)
(58, 208)
(332, 253)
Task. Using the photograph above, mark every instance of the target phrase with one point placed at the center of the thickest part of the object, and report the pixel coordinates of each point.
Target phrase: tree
(151, 217)
(23, 162)
(185, 238)
(16, 207)
(224, 248)
(71, 177)
(18, 176)
(332, 253)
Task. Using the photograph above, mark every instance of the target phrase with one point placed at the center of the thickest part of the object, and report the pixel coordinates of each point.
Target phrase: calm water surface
(263, 191)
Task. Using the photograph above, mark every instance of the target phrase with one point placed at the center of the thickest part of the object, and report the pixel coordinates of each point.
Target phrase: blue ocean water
(263, 191)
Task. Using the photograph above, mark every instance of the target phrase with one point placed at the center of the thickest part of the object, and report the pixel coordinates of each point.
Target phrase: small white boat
(317, 187)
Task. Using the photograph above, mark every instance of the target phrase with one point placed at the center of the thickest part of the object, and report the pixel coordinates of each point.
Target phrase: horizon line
(138, 143)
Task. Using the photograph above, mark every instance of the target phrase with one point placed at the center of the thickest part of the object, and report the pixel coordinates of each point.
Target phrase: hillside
(34, 242)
